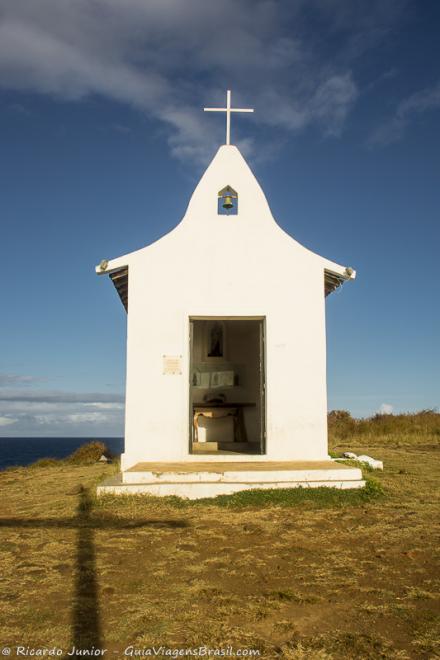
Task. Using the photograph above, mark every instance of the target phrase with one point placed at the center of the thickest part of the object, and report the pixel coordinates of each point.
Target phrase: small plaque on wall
(172, 365)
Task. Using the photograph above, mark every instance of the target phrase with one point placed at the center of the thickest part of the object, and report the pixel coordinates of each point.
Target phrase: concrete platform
(194, 480)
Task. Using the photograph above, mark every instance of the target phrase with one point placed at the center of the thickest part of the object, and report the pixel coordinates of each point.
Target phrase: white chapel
(226, 348)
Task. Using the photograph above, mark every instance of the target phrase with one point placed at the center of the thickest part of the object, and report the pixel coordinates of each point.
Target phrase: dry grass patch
(295, 576)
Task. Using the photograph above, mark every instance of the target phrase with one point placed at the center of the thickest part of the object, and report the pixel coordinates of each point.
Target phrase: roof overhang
(120, 281)
(333, 281)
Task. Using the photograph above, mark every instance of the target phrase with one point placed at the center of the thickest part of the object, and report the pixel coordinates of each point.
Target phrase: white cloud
(168, 58)
(36, 411)
(61, 419)
(105, 406)
(333, 100)
(6, 421)
(386, 409)
(94, 417)
(394, 128)
(49, 396)
(73, 418)
(6, 380)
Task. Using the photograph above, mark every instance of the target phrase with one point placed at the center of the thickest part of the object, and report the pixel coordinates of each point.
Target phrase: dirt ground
(311, 580)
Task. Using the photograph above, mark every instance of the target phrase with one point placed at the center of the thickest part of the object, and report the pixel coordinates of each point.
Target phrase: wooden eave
(120, 281)
(332, 281)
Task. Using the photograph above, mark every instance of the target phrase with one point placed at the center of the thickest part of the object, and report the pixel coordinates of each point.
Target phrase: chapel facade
(226, 350)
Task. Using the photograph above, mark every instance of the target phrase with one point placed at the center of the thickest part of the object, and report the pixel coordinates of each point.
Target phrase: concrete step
(250, 476)
(200, 489)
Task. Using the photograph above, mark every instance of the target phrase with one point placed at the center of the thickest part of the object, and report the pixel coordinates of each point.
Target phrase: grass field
(298, 576)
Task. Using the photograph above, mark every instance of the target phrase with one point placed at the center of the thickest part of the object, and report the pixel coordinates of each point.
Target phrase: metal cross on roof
(228, 111)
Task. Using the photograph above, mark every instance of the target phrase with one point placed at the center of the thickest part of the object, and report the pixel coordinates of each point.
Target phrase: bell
(227, 204)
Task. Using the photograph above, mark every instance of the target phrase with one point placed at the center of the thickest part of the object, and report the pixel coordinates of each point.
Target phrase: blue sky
(103, 139)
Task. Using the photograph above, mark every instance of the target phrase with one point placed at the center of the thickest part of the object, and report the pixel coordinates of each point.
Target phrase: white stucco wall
(231, 266)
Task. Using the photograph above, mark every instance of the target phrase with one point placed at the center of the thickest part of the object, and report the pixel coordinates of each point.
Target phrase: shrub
(410, 428)
(341, 423)
(89, 453)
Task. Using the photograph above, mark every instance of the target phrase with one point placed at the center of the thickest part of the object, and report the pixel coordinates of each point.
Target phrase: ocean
(23, 451)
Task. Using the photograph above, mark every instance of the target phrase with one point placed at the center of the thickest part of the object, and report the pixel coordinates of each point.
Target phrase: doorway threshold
(226, 448)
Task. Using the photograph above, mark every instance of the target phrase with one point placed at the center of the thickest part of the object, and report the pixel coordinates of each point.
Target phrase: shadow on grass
(86, 622)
